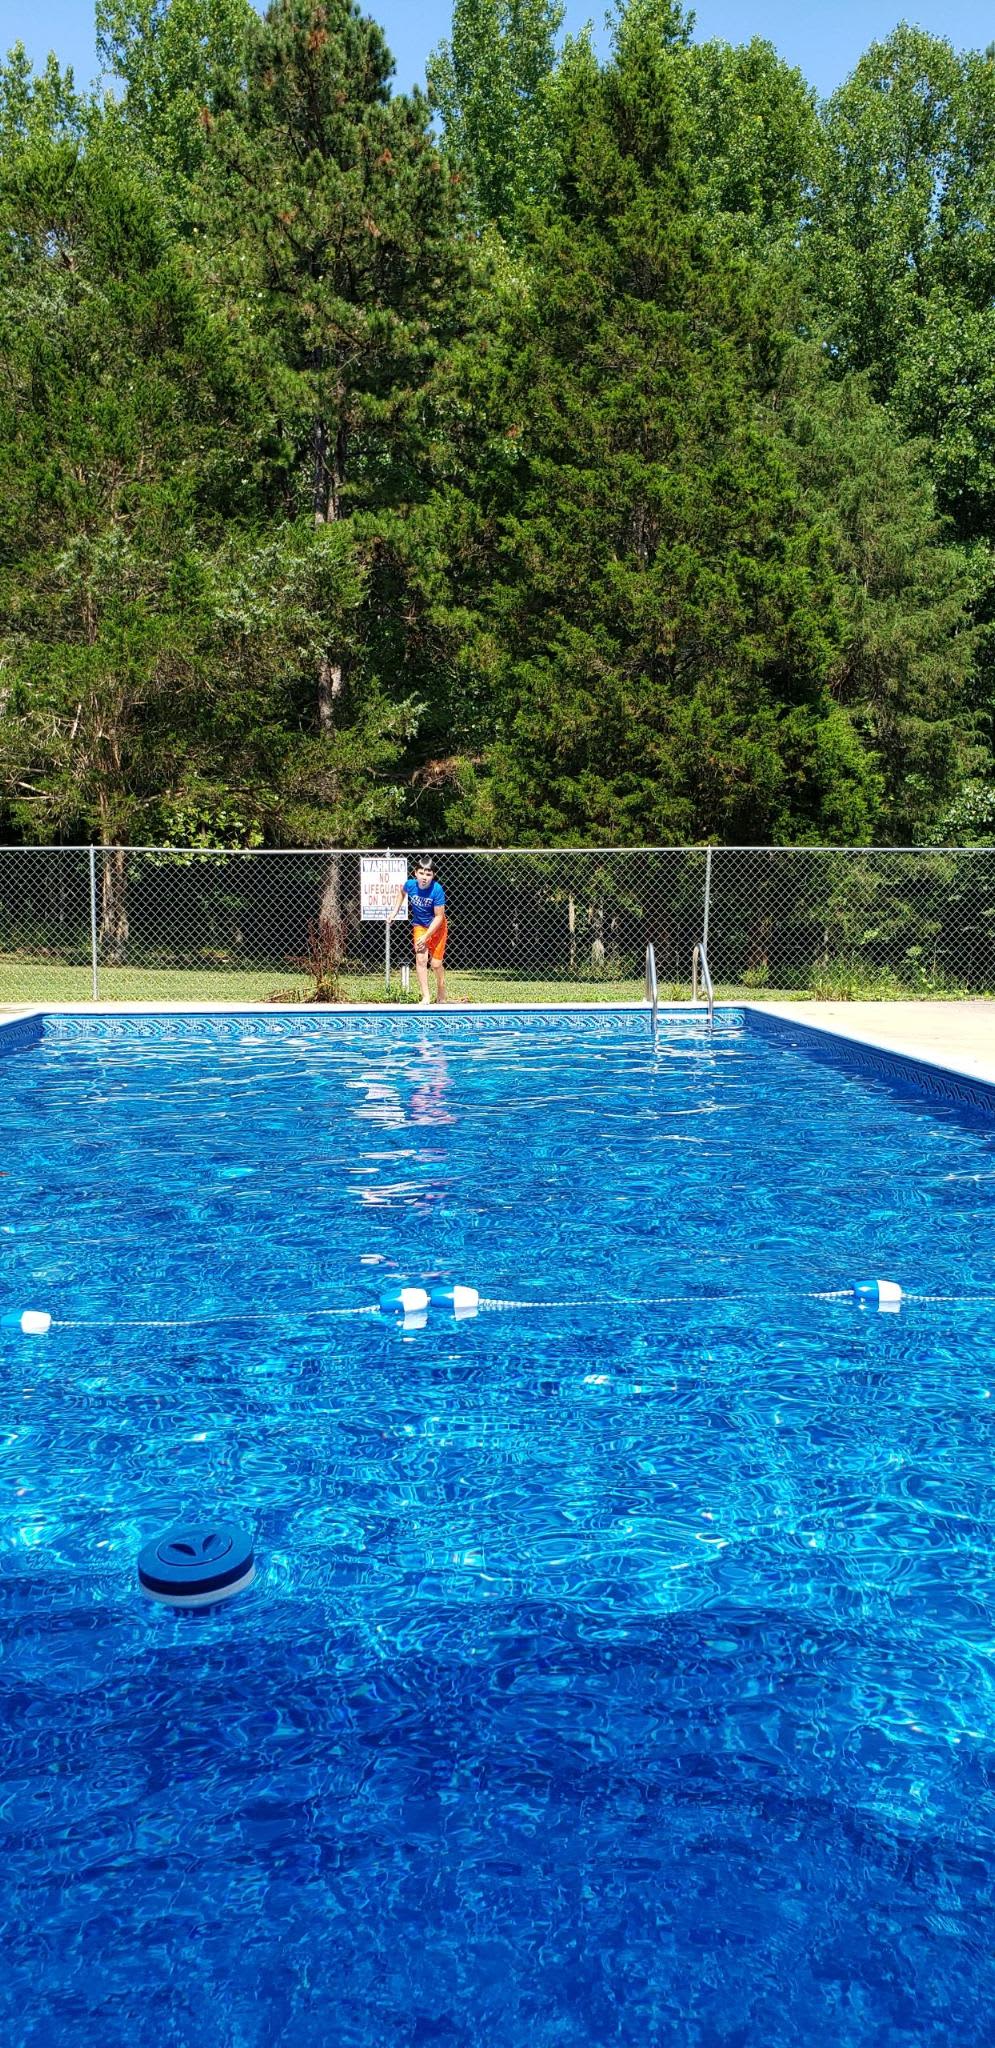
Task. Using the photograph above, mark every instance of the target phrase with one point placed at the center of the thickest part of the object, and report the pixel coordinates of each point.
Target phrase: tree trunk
(758, 942)
(329, 692)
(596, 920)
(329, 470)
(330, 913)
(114, 906)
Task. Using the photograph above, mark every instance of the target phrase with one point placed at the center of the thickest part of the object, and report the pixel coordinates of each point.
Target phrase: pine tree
(121, 408)
(328, 224)
(664, 603)
(902, 670)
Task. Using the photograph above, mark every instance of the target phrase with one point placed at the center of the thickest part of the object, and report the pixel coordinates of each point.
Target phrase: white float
(884, 1295)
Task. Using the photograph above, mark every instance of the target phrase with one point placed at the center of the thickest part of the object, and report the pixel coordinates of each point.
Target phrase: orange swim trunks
(437, 942)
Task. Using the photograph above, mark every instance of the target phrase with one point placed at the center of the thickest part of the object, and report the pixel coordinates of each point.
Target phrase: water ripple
(611, 1676)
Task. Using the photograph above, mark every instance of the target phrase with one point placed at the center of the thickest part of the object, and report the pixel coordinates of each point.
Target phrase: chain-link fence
(157, 924)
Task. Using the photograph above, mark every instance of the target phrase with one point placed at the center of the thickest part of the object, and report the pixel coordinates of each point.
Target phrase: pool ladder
(701, 982)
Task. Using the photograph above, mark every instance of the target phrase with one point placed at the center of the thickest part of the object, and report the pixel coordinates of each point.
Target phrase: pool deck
(960, 1036)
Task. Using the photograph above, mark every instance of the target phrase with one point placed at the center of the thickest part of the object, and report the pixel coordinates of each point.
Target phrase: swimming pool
(617, 1672)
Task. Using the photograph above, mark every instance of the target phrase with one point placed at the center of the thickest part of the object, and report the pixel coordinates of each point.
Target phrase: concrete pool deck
(956, 1035)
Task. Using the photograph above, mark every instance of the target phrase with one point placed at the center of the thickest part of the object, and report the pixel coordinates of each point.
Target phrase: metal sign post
(381, 877)
(94, 954)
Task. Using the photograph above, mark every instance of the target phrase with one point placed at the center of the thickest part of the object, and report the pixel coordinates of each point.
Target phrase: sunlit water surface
(614, 1674)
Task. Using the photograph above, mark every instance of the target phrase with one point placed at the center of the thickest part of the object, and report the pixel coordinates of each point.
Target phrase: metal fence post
(93, 924)
(708, 897)
(386, 945)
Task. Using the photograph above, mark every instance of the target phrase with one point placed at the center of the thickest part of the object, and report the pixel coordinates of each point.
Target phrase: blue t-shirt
(424, 902)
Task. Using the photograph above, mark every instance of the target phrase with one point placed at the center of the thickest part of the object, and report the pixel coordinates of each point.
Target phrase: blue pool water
(613, 1674)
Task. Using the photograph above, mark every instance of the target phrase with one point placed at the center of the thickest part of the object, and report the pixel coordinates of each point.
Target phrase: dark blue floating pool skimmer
(196, 1563)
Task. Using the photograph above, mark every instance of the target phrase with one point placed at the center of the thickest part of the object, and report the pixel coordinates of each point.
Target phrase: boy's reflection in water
(413, 1176)
(429, 1103)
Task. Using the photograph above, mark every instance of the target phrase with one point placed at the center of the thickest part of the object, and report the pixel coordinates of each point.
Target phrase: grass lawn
(54, 983)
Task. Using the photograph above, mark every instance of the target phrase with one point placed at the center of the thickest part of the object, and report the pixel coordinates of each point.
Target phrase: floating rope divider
(461, 1302)
(233, 1315)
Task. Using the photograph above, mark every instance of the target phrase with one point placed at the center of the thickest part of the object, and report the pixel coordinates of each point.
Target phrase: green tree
(175, 60)
(37, 107)
(903, 664)
(328, 225)
(120, 416)
(34, 108)
(664, 603)
(351, 484)
(752, 135)
(902, 258)
(902, 249)
(491, 86)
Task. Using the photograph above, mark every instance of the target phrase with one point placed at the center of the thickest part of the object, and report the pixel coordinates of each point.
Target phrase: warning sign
(380, 878)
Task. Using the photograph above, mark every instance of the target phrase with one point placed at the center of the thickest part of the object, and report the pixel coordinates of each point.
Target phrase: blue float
(405, 1301)
(33, 1322)
(880, 1294)
(196, 1563)
(461, 1301)
(36, 1322)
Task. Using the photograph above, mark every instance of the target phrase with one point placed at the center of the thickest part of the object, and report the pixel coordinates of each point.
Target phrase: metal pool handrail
(699, 964)
(652, 992)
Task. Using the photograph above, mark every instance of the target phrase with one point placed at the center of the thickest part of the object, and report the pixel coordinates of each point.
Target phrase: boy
(429, 928)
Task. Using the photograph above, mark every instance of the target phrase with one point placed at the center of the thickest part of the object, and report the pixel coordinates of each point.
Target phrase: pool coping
(949, 1079)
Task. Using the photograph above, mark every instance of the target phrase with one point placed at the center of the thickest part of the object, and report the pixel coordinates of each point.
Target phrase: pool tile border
(16, 1032)
(879, 1062)
(217, 1025)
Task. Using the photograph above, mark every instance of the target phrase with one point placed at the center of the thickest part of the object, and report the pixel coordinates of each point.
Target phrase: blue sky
(824, 38)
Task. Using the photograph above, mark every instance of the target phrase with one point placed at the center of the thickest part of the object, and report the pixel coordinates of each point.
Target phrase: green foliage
(903, 219)
(663, 603)
(752, 136)
(195, 820)
(842, 982)
(37, 107)
(970, 818)
(327, 222)
(491, 86)
(176, 60)
(619, 466)
(117, 453)
(904, 659)
(901, 257)
(902, 249)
